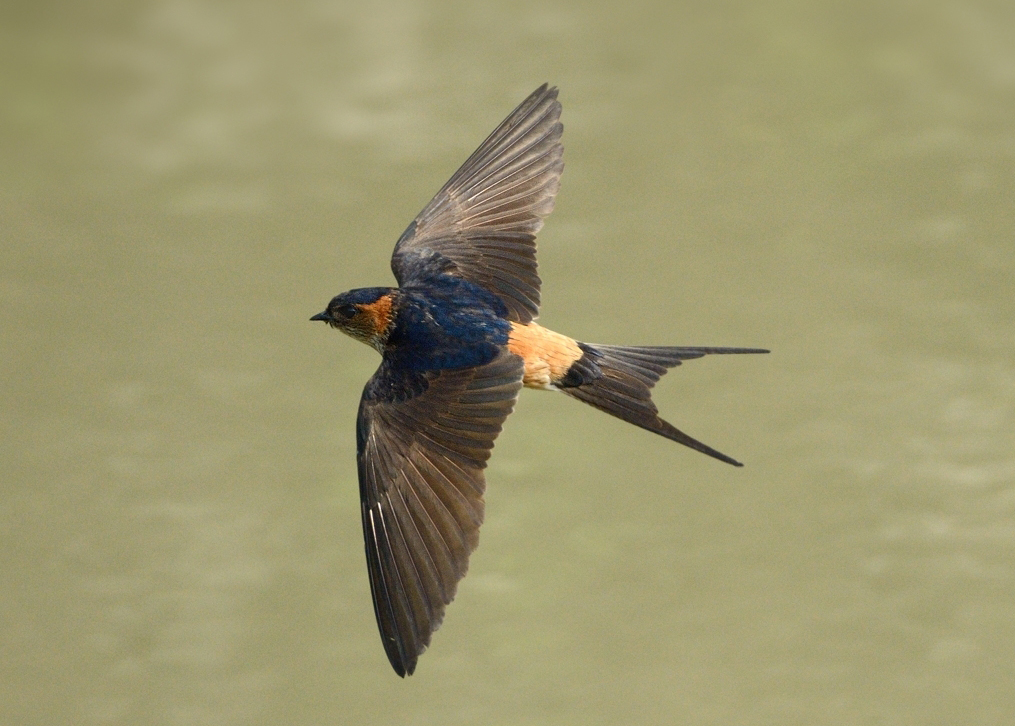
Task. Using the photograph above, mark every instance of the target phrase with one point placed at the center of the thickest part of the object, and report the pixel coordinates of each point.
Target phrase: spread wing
(482, 224)
(422, 441)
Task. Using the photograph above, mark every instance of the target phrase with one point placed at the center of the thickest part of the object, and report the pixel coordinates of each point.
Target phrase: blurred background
(185, 182)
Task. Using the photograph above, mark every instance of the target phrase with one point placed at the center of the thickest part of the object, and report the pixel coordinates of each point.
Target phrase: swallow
(458, 340)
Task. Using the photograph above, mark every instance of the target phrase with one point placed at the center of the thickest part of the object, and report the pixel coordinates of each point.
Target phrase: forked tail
(619, 379)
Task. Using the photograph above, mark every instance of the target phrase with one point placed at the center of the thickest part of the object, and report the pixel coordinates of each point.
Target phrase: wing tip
(545, 91)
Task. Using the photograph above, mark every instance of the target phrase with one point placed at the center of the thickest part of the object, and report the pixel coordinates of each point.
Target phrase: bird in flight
(458, 340)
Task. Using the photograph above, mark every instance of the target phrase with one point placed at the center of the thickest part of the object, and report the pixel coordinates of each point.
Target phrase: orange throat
(376, 322)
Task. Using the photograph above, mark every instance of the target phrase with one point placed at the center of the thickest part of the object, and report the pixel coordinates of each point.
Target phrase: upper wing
(482, 224)
(422, 443)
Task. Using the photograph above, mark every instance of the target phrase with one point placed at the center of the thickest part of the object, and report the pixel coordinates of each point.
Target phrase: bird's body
(458, 340)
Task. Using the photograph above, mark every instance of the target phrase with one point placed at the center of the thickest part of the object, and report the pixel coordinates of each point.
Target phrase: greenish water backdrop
(184, 182)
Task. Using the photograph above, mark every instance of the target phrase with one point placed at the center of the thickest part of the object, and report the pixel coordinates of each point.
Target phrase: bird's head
(364, 314)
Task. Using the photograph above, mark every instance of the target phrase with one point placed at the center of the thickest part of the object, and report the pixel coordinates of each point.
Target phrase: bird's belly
(547, 355)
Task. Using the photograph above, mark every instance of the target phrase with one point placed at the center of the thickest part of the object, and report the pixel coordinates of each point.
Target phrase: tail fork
(619, 380)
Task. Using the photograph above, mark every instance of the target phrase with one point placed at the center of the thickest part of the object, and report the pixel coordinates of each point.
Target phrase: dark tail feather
(619, 379)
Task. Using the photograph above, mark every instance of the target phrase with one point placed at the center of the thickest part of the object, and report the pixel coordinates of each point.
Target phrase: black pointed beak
(322, 316)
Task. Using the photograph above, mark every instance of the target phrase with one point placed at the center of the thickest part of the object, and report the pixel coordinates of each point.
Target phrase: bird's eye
(347, 311)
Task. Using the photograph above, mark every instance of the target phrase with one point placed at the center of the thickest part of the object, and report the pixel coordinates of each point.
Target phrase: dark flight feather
(421, 462)
(482, 224)
(619, 380)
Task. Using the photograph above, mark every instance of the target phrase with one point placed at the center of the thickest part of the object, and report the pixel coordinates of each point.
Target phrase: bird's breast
(548, 355)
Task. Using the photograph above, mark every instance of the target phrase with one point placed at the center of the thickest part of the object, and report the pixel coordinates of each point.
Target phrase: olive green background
(184, 182)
